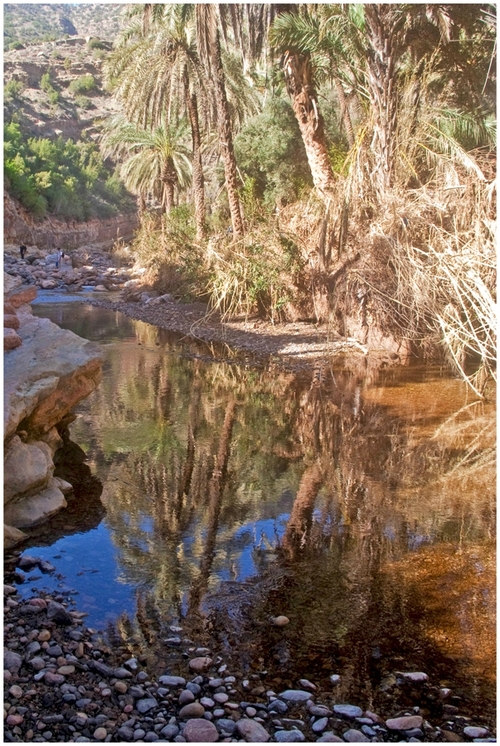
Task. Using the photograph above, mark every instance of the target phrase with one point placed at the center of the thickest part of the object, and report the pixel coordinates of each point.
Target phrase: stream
(222, 496)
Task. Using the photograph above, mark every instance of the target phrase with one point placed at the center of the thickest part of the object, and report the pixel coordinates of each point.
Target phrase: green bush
(83, 102)
(271, 156)
(83, 84)
(12, 90)
(59, 176)
(95, 43)
(15, 45)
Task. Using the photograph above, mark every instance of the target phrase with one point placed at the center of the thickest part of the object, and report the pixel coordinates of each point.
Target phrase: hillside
(28, 23)
(55, 88)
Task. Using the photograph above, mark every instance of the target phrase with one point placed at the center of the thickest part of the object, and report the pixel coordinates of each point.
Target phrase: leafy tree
(269, 152)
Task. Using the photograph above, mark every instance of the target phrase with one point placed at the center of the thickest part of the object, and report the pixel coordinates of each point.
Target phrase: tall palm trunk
(345, 115)
(226, 139)
(381, 25)
(169, 179)
(299, 82)
(198, 180)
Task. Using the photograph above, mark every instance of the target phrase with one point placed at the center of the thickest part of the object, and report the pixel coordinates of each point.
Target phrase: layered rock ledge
(47, 371)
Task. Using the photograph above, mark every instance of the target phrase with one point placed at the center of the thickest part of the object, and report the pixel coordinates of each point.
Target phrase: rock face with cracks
(45, 376)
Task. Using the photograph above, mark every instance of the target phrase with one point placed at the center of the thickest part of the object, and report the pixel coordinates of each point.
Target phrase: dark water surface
(359, 505)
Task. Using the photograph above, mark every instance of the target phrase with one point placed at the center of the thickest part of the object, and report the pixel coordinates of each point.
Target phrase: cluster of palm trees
(393, 67)
(413, 87)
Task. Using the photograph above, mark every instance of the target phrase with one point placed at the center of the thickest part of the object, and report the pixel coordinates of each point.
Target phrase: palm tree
(209, 48)
(153, 162)
(158, 76)
(301, 82)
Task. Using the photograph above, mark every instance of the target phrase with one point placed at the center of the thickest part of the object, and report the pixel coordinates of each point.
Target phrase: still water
(360, 506)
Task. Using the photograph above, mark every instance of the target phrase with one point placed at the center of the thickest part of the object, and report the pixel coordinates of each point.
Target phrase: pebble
(348, 711)
(57, 696)
(295, 695)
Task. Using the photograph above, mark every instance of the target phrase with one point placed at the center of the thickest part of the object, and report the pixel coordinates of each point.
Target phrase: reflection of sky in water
(90, 564)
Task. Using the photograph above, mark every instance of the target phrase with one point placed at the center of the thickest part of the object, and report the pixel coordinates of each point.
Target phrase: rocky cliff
(21, 227)
(46, 374)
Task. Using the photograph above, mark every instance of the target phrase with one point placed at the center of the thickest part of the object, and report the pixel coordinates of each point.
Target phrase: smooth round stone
(100, 734)
(221, 698)
(145, 705)
(16, 691)
(215, 683)
(53, 678)
(335, 679)
(295, 695)
(199, 730)
(226, 725)
(415, 677)
(14, 720)
(121, 687)
(218, 712)
(193, 687)
(319, 725)
(348, 711)
(185, 697)
(66, 670)
(151, 737)
(200, 664)
(329, 737)
(278, 707)
(280, 621)
(355, 736)
(472, 731)
(12, 661)
(44, 636)
(192, 710)
(37, 663)
(169, 732)
(289, 736)
(139, 734)
(207, 702)
(405, 722)
(251, 712)
(172, 681)
(125, 733)
(306, 684)
(252, 731)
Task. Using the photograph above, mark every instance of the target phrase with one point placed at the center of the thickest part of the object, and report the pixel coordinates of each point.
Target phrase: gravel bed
(62, 682)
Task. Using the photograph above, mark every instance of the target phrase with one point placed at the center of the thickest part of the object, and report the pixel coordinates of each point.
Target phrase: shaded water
(361, 507)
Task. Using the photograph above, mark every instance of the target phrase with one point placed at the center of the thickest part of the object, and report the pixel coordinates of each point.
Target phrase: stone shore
(63, 683)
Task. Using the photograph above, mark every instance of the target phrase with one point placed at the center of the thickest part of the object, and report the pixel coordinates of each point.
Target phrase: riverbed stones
(474, 732)
(199, 730)
(200, 664)
(348, 711)
(295, 695)
(355, 736)
(252, 731)
(145, 705)
(413, 677)
(289, 736)
(192, 710)
(405, 723)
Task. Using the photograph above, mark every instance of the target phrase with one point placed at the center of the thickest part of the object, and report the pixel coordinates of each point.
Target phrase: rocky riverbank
(62, 682)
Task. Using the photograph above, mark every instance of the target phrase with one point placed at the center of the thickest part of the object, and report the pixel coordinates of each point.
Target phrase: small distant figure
(22, 250)
(58, 257)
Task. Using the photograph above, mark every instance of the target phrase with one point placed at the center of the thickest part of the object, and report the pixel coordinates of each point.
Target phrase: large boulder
(27, 467)
(47, 376)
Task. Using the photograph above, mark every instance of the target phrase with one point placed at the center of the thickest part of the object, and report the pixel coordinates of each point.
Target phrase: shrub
(12, 90)
(83, 102)
(95, 43)
(83, 84)
(15, 45)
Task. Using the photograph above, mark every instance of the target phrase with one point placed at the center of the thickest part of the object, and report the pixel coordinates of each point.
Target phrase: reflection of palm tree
(215, 490)
(300, 520)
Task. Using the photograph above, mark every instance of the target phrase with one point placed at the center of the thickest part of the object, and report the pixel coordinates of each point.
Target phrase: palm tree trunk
(299, 83)
(198, 180)
(169, 178)
(344, 113)
(226, 140)
(381, 28)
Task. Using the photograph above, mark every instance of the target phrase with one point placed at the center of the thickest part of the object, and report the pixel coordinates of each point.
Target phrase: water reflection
(364, 513)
